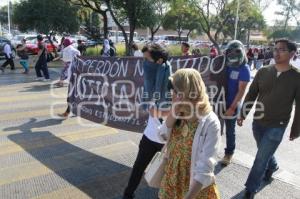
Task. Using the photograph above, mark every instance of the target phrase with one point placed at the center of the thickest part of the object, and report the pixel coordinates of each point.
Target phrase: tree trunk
(105, 24)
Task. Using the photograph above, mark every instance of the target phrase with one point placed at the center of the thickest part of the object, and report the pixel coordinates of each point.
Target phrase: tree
(126, 11)
(98, 6)
(214, 15)
(91, 21)
(121, 11)
(154, 12)
(46, 16)
(250, 18)
(3, 15)
(182, 17)
(262, 4)
(290, 10)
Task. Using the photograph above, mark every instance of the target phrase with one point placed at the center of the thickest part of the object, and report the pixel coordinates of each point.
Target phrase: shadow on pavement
(96, 176)
(32, 123)
(37, 88)
(218, 168)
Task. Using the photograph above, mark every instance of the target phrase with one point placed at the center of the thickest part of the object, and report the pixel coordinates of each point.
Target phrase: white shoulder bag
(156, 169)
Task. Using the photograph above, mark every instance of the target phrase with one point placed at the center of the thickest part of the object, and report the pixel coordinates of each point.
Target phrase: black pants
(147, 150)
(42, 66)
(9, 61)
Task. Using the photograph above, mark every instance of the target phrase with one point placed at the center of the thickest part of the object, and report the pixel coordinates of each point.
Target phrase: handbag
(156, 169)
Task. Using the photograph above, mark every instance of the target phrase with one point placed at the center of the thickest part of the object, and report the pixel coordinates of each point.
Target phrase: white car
(18, 39)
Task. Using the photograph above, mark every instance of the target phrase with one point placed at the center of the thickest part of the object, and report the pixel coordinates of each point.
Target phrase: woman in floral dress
(193, 134)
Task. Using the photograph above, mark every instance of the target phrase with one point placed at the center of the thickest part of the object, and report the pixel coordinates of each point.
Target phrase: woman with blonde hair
(193, 133)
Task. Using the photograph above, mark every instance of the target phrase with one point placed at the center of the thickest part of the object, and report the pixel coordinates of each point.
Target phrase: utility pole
(8, 16)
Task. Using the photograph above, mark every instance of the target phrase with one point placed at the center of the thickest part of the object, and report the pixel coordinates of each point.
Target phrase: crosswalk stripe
(30, 97)
(35, 169)
(68, 192)
(29, 114)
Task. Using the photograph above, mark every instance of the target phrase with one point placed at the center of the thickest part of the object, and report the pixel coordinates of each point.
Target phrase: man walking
(41, 64)
(238, 76)
(8, 57)
(275, 88)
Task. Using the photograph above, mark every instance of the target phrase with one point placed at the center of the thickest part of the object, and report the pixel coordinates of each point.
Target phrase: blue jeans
(267, 141)
(230, 135)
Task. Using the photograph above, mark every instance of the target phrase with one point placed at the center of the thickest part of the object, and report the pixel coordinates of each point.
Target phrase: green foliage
(250, 18)
(3, 15)
(182, 17)
(46, 15)
(95, 51)
(280, 32)
(289, 10)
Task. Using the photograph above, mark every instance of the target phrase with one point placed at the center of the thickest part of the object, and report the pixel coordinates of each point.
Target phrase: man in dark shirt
(276, 88)
(41, 64)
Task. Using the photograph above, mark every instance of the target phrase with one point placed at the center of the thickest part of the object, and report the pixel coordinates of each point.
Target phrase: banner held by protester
(109, 90)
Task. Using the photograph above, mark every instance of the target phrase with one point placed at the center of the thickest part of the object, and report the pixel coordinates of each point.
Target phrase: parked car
(32, 47)
(3, 41)
(18, 39)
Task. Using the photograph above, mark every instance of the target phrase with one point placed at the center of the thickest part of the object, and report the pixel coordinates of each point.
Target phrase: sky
(268, 13)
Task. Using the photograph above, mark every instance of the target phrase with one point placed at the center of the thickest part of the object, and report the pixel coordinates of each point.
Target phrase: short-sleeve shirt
(234, 76)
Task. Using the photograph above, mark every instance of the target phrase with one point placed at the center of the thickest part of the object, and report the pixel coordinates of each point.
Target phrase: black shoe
(248, 195)
(269, 173)
(126, 196)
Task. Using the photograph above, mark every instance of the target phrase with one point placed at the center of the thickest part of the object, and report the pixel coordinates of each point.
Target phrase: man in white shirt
(8, 57)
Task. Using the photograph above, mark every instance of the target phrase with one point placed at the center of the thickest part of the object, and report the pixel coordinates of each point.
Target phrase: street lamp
(236, 19)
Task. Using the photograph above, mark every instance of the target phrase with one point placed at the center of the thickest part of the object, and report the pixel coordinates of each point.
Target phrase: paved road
(45, 157)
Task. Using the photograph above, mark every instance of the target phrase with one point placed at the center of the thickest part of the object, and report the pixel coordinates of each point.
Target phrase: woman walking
(193, 134)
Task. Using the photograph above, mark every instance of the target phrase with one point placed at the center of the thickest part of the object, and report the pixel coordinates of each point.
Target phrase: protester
(9, 58)
(196, 51)
(112, 45)
(156, 73)
(213, 52)
(250, 57)
(136, 51)
(255, 53)
(193, 134)
(41, 64)
(268, 56)
(275, 88)
(22, 53)
(238, 76)
(185, 49)
(61, 45)
(69, 52)
(146, 53)
(107, 50)
(81, 47)
(260, 59)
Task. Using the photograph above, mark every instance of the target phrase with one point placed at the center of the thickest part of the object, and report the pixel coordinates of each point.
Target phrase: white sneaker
(39, 79)
(46, 80)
